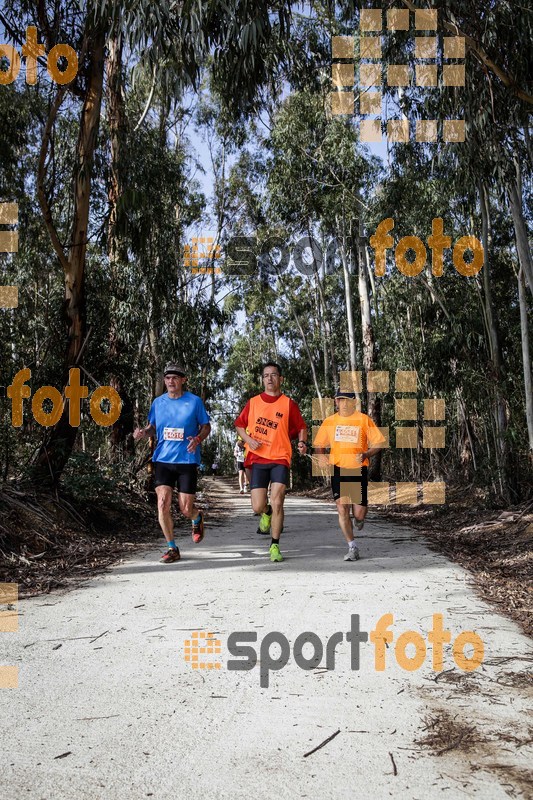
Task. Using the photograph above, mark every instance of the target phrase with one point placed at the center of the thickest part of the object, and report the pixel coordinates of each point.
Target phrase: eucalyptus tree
(246, 41)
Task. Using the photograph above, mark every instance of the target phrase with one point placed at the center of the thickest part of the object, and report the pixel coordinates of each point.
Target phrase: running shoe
(198, 530)
(241, 491)
(275, 555)
(172, 554)
(265, 520)
(359, 523)
(352, 554)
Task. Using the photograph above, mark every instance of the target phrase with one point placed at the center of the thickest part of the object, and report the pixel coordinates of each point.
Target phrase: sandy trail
(102, 676)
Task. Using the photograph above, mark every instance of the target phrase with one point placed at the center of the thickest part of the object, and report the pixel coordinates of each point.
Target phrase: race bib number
(173, 434)
(347, 433)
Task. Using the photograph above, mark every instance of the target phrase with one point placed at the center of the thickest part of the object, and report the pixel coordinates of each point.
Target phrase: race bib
(173, 434)
(347, 433)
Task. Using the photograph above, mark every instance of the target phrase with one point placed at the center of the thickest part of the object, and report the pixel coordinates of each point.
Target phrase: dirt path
(104, 684)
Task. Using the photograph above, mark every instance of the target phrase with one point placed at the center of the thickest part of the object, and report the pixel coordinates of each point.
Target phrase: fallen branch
(455, 743)
(98, 637)
(323, 744)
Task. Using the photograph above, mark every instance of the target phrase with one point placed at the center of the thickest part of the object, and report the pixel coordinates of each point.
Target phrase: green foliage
(295, 170)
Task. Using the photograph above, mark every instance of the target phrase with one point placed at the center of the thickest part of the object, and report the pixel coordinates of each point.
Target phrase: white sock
(352, 544)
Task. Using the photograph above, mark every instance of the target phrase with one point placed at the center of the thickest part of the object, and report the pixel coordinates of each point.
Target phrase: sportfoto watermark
(244, 257)
(202, 645)
(32, 50)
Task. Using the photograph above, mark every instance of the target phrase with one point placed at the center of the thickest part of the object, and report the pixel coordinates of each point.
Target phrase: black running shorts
(263, 474)
(340, 481)
(240, 466)
(181, 475)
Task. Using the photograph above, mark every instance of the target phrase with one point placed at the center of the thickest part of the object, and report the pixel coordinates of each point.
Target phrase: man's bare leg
(259, 500)
(164, 504)
(345, 522)
(277, 498)
(359, 512)
(187, 505)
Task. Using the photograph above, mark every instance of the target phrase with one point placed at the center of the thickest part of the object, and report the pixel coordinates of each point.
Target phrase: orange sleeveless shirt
(269, 424)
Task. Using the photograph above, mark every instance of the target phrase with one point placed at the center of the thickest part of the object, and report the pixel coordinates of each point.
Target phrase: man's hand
(253, 444)
(194, 441)
(323, 460)
(139, 433)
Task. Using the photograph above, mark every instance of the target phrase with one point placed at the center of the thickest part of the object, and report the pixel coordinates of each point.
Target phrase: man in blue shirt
(180, 422)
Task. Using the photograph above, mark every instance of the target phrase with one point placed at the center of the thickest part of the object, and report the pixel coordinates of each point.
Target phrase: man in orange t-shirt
(352, 438)
(272, 420)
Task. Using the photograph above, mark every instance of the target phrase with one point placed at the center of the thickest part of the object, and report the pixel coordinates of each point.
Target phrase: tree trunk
(59, 440)
(369, 355)
(500, 406)
(349, 308)
(304, 340)
(526, 358)
(122, 430)
(520, 227)
(329, 350)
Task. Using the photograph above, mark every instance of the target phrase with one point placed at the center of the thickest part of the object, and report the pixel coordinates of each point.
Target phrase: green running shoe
(265, 519)
(275, 555)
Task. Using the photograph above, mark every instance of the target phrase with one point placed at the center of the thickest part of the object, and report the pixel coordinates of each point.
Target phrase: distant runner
(352, 438)
(180, 422)
(239, 456)
(273, 421)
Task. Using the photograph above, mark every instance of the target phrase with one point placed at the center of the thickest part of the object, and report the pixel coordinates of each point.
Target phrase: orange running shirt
(347, 438)
(269, 424)
(295, 425)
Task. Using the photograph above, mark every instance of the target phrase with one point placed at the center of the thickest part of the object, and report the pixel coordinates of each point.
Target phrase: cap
(174, 369)
(347, 395)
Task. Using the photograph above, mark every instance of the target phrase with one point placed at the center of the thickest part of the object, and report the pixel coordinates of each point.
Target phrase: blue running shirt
(175, 419)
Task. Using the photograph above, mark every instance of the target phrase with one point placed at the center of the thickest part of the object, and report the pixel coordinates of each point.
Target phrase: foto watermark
(202, 645)
(74, 392)
(382, 241)
(32, 50)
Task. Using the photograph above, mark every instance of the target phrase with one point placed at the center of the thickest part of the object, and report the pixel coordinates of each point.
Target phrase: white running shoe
(352, 554)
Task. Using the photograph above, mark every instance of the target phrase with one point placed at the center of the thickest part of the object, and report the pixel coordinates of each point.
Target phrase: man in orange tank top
(352, 438)
(272, 420)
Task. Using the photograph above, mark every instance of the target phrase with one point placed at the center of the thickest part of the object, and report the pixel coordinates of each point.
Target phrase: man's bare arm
(253, 444)
(144, 433)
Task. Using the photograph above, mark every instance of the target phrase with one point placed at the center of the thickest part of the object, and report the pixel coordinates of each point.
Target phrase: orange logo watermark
(430, 68)
(202, 644)
(32, 51)
(202, 248)
(406, 409)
